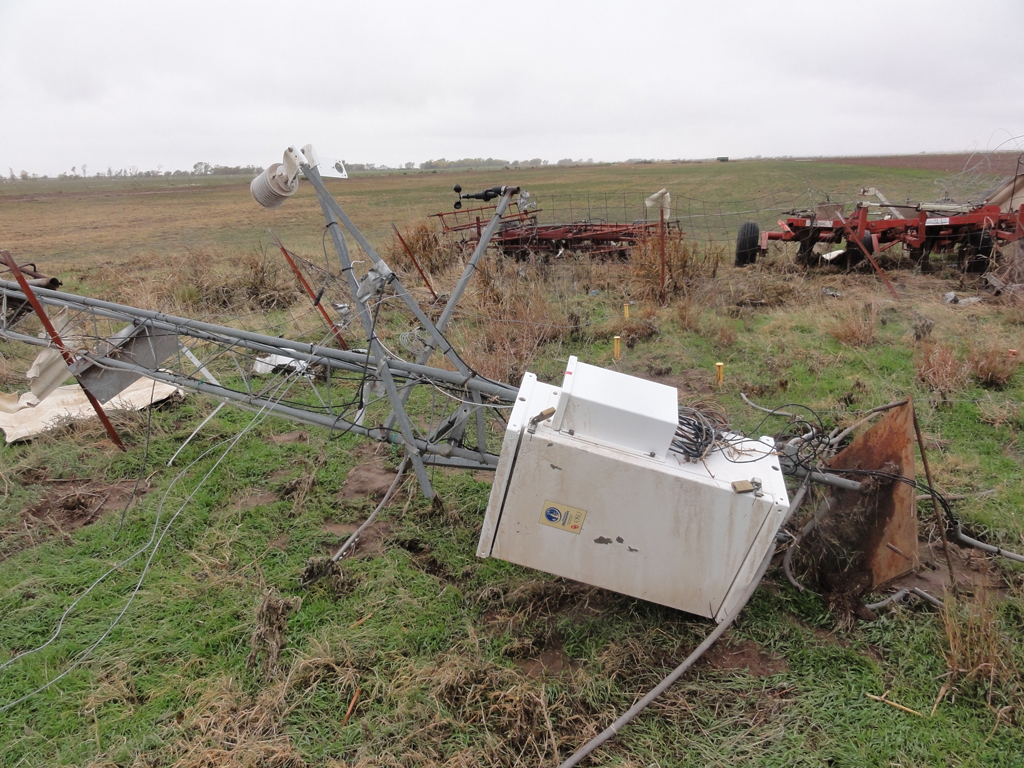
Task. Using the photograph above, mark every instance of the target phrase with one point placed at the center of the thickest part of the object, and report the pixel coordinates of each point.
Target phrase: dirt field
(993, 163)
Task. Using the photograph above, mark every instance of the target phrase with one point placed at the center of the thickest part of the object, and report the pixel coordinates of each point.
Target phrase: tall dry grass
(992, 365)
(855, 328)
(432, 251)
(939, 366)
(507, 316)
(685, 261)
(202, 281)
(979, 654)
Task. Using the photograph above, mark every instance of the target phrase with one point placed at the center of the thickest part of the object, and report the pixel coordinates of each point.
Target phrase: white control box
(594, 494)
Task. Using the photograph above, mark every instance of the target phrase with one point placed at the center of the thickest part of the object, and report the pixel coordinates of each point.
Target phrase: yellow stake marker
(618, 352)
(718, 371)
(625, 311)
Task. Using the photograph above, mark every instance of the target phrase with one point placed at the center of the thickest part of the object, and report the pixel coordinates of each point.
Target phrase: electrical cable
(960, 536)
(373, 515)
(142, 468)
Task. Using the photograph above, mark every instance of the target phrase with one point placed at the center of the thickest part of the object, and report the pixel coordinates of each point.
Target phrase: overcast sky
(153, 83)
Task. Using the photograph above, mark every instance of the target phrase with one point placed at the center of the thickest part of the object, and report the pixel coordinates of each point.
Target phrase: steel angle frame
(441, 447)
(437, 331)
(347, 361)
(353, 362)
(444, 452)
(333, 214)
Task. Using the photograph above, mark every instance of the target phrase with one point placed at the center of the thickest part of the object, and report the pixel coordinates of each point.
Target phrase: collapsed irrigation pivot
(604, 479)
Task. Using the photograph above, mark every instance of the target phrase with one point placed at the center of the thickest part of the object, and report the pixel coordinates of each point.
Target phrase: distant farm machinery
(971, 231)
(521, 236)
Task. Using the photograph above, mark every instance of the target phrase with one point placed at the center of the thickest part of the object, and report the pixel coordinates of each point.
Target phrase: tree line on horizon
(208, 169)
(133, 172)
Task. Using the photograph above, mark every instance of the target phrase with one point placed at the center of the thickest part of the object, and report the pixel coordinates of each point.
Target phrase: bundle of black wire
(696, 433)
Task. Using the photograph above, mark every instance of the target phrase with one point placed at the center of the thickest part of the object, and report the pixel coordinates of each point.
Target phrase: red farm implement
(971, 231)
(520, 234)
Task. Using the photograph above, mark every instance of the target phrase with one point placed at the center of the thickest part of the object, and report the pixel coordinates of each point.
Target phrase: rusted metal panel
(886, 516)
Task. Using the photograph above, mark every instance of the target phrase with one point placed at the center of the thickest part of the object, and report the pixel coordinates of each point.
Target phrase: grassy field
(81, 221)
(417, 653)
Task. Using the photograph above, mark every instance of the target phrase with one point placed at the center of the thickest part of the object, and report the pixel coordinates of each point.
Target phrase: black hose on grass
(916, 592)
(987, 547)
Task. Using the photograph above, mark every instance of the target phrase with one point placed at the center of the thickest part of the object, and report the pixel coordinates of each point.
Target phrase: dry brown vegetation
(203, 281)
(685, 263)
(997, 413)
(991, 365)
(507, 317)
(978, 653)
(940, 367)
(856, 328)
(434, 253)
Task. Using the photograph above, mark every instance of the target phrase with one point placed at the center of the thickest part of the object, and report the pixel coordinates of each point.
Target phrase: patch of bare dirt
(689, 382)
(367, 480)
(371, 541)
(290, 437)
(280, 542)
(553, 661)
(77, 503)
(425, 561)
(368, 450)
(972, 569)
(67, 505)
(745, 654)
(254, 497)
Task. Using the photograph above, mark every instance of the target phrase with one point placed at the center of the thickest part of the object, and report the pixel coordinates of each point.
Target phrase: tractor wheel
(748, 242)
(854, 254)
(921, 257)
(976, 252)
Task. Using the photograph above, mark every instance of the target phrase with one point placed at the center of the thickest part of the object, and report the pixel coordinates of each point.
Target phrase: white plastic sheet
(25, 417)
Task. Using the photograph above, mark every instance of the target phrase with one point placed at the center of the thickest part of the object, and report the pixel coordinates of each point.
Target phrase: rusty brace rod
(939, 517)
(69, 359)
(327, 319)
(415, 263)
(852, 238)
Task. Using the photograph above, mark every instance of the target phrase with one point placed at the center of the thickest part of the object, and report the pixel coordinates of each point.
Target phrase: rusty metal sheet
(889, 509)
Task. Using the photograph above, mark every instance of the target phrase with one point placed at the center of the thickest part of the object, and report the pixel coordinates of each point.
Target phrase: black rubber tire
(982, 243)
(748, 243)
(854, 255)
(976, 253)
